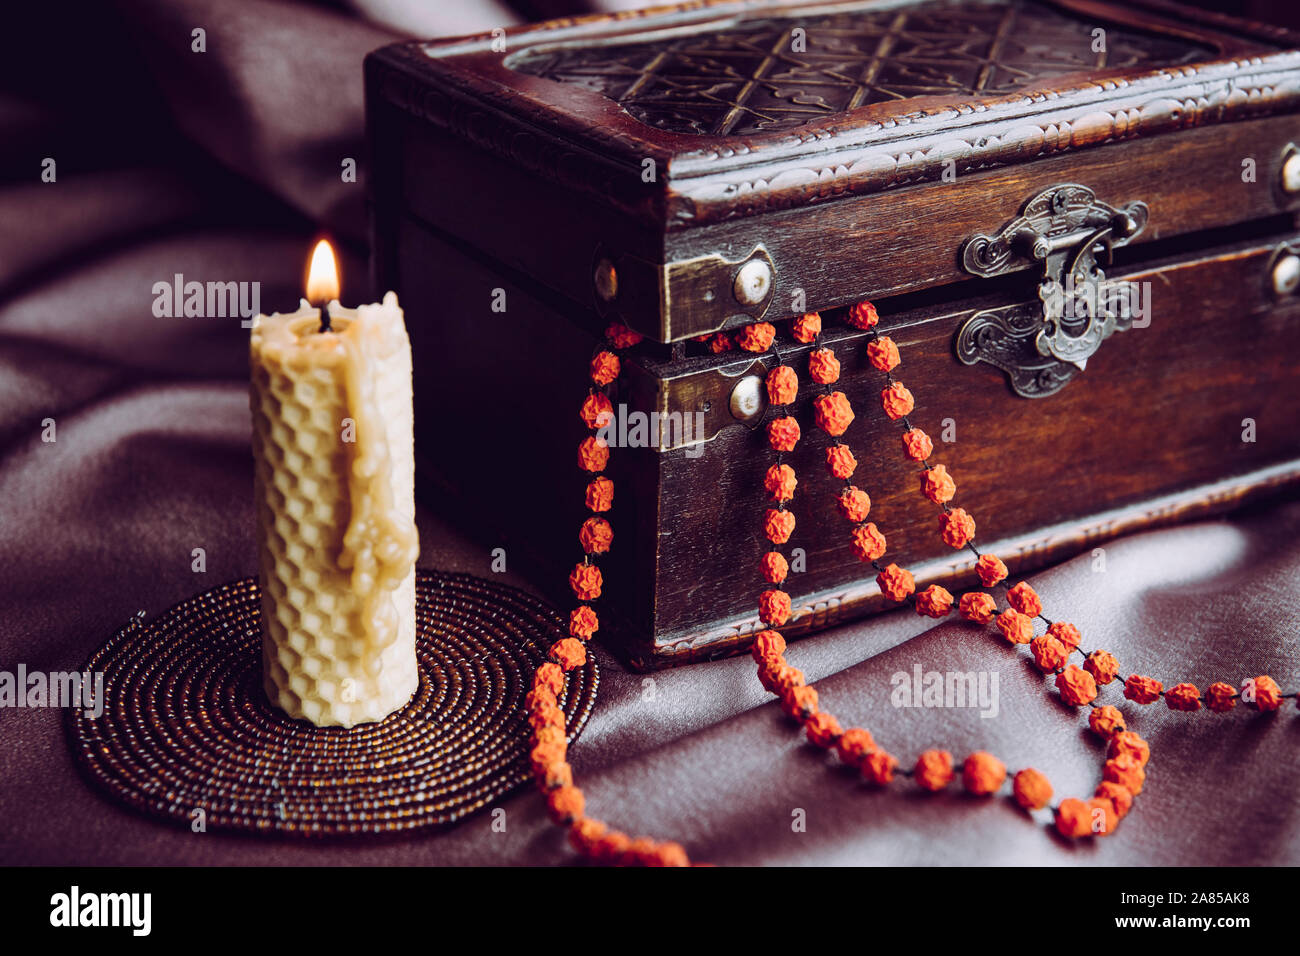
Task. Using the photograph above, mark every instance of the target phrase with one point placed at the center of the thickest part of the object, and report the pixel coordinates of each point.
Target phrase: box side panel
(1159, 411)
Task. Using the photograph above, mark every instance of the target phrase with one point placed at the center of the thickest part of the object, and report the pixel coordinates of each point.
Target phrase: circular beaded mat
(186, 726)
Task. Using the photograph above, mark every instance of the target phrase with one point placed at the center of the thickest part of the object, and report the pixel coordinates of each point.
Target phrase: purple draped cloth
(221, 166)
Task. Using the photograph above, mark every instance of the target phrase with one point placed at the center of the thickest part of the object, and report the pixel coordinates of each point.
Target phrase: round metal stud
(606, 280)
(753, 282)
(1286, 274)
(1291, 173)
(747, 398)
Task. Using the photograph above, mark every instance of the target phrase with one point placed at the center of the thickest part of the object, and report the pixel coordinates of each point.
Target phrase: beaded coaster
(187, 727)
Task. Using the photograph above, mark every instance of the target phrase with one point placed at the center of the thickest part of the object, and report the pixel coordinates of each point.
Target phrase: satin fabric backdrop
(221, 166)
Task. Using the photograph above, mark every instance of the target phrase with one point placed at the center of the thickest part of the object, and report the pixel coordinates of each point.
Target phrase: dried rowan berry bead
(934, 601)
(768, 644)
(782, 385)
(1049, 653)
(807, 327)
(546, 759)
(867, 542)
(1106, 721)
(879, 766)
(1268, 696)
(550, 676)
(1102, 666)
(583, 623)
(977, 606)
(787, 678)
(1126, 771)
(546, 715)
(569, 653)
(769, 671)
(799, 702)
(1076, 686)
(757, 337)
(600, 494)
(550, 734)
(824, 367)
(1067, 634)
(593, 454)
(721, 342)
(597, 410)
(775, 567)
(937, 484)
(840, 462)
(1183, 696)
(555, 776)
(1074, 818)
(1120, 797)
(565, 804)
(783, 433)
(605, 367)
(883, 354)
(854, 745)
(774, 607)
(1221, 697)
(917, 445)
(1031, 789)
(1142, 690)
(585, 580)
(990, 569)
(983, 773)
(780, 482)
(854, 504)
(1015, 627)
(933, 769)
(550, 750)
(897, 401)
(1103, 817)
(862, 316)
(1127, 742)
(611, 847)
(539, 698)
(544, 756)
(584, 833)
(640, 852)
(823, 730)
(621, 336)
(1025, 600)
(833, 413)
(667, 855)
(595, 536)
(778, 525)
(956, 528)
(895, 583)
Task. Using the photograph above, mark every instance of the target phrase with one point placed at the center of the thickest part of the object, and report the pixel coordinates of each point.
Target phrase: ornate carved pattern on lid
(773, 74)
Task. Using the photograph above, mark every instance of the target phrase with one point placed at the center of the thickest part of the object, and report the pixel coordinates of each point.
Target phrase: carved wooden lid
(710, 115)
(767, 74)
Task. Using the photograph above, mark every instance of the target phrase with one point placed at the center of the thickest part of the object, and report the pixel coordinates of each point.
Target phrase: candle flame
(322, 275)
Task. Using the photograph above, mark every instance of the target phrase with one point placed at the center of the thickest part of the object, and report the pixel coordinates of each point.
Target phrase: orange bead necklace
(1124, 770)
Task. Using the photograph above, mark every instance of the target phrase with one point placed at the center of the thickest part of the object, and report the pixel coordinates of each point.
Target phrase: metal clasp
(1071, 233)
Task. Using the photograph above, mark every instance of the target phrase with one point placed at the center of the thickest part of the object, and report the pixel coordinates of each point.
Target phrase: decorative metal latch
(1042, 346)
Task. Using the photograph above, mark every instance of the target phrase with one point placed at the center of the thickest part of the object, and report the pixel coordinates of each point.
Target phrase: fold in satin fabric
(222, 166)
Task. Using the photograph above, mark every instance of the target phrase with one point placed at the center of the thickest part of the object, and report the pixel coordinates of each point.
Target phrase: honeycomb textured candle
(334, 466)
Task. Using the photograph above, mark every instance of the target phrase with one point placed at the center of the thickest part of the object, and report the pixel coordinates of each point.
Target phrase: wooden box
(693, 170)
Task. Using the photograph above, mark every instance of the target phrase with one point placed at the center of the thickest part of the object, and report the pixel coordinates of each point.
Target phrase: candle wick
(324, 318)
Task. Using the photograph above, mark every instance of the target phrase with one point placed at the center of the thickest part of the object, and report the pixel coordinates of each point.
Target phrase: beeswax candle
(335, 472)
